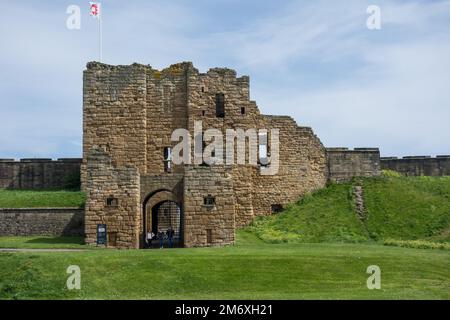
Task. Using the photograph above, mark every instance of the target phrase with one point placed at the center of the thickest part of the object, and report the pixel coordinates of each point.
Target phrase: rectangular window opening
(263, 149)
(112, 202)
(220, 105)
(209, 201)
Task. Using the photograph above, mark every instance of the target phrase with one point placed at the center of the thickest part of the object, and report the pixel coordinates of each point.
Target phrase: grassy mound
(397, 208)
(41, 199)
(408, 208)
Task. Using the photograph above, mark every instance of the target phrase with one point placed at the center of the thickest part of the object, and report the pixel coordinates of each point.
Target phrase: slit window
(200, 145)
(167, 159)
(242, 110)
(220, 105)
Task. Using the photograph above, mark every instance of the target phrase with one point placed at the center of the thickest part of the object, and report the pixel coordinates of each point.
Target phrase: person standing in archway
(150, 237)
(170, 233)
(160, 238)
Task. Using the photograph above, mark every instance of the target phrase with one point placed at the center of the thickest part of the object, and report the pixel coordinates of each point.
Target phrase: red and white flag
(95, 9)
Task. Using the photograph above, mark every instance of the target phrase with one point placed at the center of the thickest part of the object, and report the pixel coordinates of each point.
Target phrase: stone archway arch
(153, 201)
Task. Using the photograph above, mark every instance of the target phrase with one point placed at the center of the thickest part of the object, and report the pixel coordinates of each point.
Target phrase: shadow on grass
(57, 240)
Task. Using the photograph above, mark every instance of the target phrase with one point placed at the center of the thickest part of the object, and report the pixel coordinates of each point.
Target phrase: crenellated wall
(39, 173)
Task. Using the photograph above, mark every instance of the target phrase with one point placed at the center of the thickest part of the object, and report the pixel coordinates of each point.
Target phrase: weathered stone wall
(344, 164)
(39, 173)
(208, 225)
(166, 102)
(105, 181)
(418, 165)
(42, 221)
(114, 114)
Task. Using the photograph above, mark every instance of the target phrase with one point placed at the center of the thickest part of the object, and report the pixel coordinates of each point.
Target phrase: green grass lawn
(41, 199)
(316, 249)
(251, 269)
(42, 242)
(402, 208)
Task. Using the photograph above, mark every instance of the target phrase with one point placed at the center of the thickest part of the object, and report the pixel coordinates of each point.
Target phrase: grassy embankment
(399, 210)
(10, 198)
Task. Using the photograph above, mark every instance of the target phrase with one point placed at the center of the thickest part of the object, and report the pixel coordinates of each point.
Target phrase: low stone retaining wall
(42, 221)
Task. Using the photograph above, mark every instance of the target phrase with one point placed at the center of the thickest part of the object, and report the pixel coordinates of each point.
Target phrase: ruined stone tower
(132, 186)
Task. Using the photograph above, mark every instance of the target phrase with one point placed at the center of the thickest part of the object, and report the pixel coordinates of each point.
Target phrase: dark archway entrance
(162, 211)
(165, 215)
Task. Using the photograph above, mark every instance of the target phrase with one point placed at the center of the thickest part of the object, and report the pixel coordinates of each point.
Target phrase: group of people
(161, 236)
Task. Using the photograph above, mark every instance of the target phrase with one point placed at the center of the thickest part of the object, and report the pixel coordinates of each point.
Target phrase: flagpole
(100, 18)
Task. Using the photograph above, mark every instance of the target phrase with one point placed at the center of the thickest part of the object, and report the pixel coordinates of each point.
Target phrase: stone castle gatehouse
(132, 186)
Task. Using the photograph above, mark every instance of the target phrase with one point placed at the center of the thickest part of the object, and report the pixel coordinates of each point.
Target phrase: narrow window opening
(203, 89)
(167, 159)
(201, 143)
(203, 113)
(242, 110)
(220, 105)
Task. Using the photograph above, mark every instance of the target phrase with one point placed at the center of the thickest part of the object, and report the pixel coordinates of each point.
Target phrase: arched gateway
(161, 211)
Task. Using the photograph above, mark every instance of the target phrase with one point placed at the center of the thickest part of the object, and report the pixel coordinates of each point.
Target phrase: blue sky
(313, 60)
